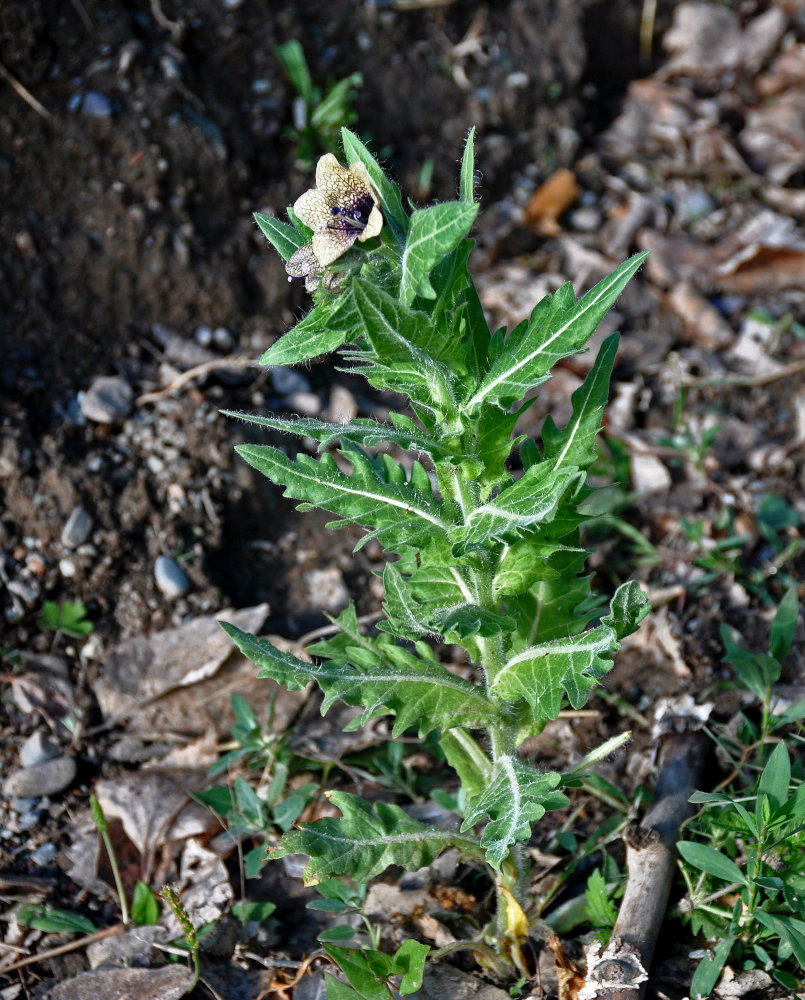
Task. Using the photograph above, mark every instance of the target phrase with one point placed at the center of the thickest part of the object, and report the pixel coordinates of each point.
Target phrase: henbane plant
(479, 556)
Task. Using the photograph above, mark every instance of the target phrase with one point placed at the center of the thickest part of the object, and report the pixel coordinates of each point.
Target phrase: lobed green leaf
(557, 328)
(434, 232)
(366, 840)
(515, 798)
(382, 678)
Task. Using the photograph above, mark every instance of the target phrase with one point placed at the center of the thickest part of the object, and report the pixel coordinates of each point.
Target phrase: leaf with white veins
(515, 798)
(384, 679)
(366, 840)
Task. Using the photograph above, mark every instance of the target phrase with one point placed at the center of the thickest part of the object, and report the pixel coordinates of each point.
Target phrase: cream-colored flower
(342, 208)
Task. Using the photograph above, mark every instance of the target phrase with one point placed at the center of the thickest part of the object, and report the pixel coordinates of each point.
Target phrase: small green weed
(68, 618)
(318, 116)
(745, 869)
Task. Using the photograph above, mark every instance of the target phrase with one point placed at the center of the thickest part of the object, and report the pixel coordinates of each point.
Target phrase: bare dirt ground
(136, 140)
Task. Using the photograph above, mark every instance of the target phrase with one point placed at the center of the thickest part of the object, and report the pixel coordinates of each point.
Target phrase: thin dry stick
(25, 94)
(651, 861)
(764, 378)
(64, 948)
(234, 361)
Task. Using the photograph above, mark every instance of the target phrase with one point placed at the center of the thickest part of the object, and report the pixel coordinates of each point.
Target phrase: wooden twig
(64, 948)
(234, 361)
(620, 972)
(763, 378)
(25, 94)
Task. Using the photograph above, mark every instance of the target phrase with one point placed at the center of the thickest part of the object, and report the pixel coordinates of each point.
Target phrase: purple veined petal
(302, 262)
(313, 209)
(328, 244)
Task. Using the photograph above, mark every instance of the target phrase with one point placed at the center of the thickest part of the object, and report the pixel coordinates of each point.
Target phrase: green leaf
(709, 969)
(257, 911)
(433, 233)
(460, 621)
(336, 990)
(532, 500)
(628, 607)
(144, 905)
(528, 561)
(54, 921)
(776, 777)
(540, 674)
(396, 361)
(396, 510)
(784, 625)
(467, 177)
(409, 962)
(284, 238)
(366, 840)
(557, 328)
(708, 859)
(292, 57)
(389, 193)
(365, 432)
(600, 909)
(384, 679)
(339, 932)
(575, 443)
(467, 759)
(326, 327)
(516, 797)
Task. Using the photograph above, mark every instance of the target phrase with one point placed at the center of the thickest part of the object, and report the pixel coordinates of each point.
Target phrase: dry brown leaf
(701, 323)
(549, 201)
(703, 40)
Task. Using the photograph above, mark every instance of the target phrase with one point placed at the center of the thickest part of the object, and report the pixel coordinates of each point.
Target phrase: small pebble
(77, 529)
(327, 589)
(37, 749)
(108, 400)
(170, 578)
(67, 568)
(203, 336)
(44, 855)
(287, 380)
(342, 407)
(586, 219)
(96, 105)
(223, 339)
(693, 204)
(47, 778)
(306, 404)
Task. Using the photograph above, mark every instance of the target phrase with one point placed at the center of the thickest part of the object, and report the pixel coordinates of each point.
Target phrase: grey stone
(287, 380)
(108, 400)
(170, 578)
(327, 589)
(342, 407)
(37, 749)
(167, 983)
(203, 336)
(307, 404)
(96, 105)
(44, 855)
(77, 529)
(223, 339)
(47, 778)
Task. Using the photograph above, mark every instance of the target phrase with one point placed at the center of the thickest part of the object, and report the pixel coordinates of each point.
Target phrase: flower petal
(329, 244)
(313, 209)
(374, 223)
(303, 262)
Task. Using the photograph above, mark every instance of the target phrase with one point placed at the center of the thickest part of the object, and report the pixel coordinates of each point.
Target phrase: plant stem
(103, 830)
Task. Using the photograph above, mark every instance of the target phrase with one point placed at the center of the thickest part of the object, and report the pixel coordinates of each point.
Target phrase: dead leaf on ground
(146, 667)
(773, 137)
(765, 255)
(551, 199)
(700, 322)
(704, 39)
(153, 803)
